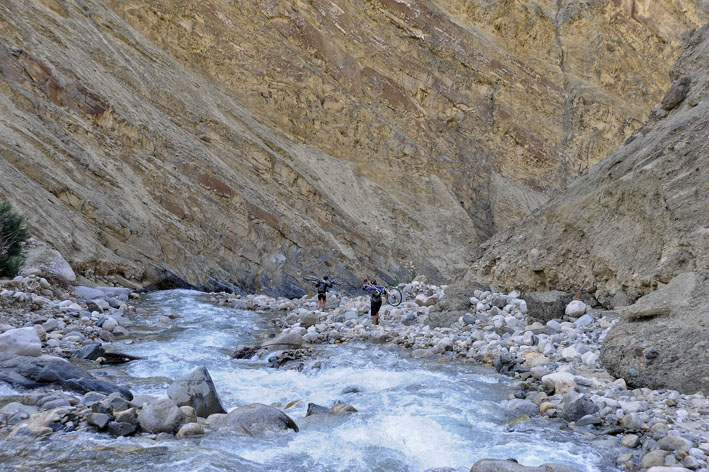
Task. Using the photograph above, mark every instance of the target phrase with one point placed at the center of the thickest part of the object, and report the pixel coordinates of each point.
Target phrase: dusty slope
(244, 142)
(637, 219)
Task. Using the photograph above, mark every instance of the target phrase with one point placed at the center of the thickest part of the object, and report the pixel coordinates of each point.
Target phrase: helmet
(374, 282)
(324, 277)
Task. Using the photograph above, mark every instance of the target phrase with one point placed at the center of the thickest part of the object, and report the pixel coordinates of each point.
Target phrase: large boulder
(160, 416)
(20, 342)
(511, 465)
(662, 341)
(288, 340)
(47, 262)
(547, 306)
(33, 372)
(198, 391)
(254, 419)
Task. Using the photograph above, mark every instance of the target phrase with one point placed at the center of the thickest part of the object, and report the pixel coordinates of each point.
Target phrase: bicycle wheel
(311, 278)
(394, 296)
(336, 281)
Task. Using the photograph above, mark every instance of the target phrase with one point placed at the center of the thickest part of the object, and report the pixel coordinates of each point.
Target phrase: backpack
(323, 286)
(376, 295)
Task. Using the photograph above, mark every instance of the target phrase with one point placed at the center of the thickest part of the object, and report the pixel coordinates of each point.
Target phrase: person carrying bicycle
(322, 285)
(375, 295)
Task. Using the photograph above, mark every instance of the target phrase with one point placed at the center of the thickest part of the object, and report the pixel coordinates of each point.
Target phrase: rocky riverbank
(558, 375)
(55, 336)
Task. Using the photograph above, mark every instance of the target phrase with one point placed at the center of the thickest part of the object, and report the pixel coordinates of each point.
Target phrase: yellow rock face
(242, 142)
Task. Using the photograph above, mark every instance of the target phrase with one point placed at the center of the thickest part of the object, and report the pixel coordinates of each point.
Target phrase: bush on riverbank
(12, 234)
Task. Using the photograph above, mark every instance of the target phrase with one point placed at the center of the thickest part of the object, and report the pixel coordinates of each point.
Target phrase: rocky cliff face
(243, 142)
(637, 219)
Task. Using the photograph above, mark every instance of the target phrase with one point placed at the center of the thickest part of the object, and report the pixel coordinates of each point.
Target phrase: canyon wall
(238, 144)
(634, 221)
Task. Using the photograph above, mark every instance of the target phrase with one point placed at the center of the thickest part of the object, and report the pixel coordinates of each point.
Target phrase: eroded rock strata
(636, 220)
(221, 144)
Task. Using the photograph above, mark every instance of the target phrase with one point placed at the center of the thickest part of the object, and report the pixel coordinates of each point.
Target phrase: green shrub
(12, 234)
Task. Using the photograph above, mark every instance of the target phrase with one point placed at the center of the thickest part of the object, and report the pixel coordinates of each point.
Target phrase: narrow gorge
(530, 175)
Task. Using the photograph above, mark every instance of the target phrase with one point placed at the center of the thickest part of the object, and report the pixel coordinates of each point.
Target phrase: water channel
(413, 414)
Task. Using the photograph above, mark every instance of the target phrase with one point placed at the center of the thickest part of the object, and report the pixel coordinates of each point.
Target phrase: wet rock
(160, 416)
(90, 351)
(115, 402)
(525, 407)
(92, 397)
(188, 414)
(245, 352)
(116, 428)
(30, 372)
(342, 408)
(589, 420)
(190, 429)
(20, 342)
(121, 293)
(100, 420)
(287, 340)
(39, 424)
(511, 465)
(668, 469)
(127, 416)
(198, 391)
(255, 419)
(315, 409)
(18, 410)
(109, 324)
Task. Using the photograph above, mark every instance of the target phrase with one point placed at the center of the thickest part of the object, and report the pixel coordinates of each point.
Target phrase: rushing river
(413, 414)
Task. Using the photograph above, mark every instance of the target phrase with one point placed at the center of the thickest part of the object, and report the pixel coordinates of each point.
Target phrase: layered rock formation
(662, 341)
(220, 143)
(636, 220)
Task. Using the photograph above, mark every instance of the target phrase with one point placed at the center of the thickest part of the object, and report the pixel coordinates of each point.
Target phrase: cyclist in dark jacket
(322, 285)
(375, 295)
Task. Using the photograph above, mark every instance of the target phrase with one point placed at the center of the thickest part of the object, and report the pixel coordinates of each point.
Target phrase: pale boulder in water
(254, 419)
(287, 340)
(160, 416)
(198, 391)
